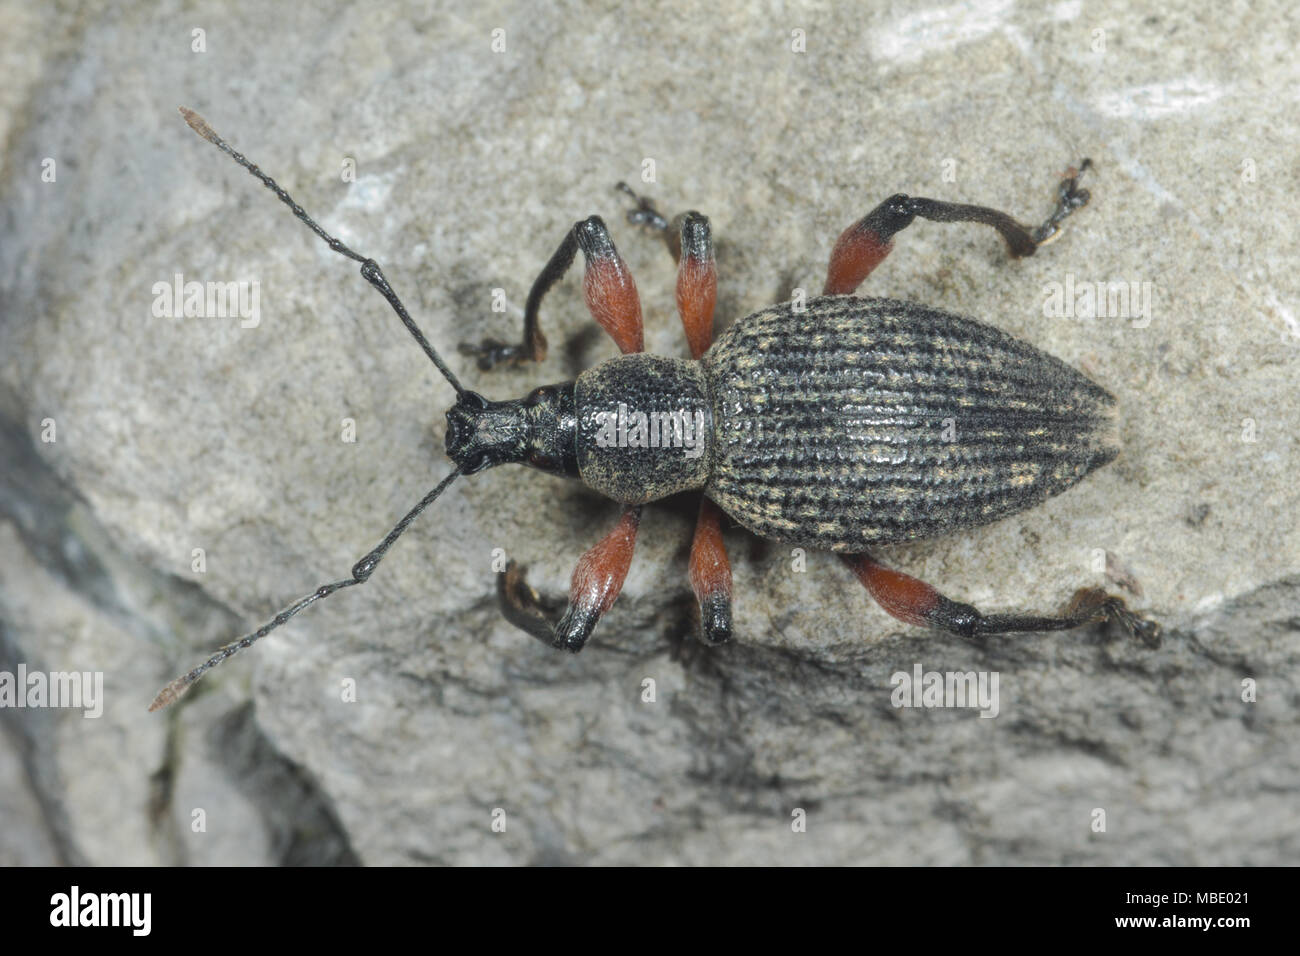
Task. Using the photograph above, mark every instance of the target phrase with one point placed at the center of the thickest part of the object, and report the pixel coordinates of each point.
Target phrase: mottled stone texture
(178, 434)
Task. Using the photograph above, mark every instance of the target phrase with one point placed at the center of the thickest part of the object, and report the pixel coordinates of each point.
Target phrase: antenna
(369, 267)
(361, 571)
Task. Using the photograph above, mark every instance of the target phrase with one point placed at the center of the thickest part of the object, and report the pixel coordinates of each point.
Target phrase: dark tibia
(492, 352)
(866, 243)
(915, 602)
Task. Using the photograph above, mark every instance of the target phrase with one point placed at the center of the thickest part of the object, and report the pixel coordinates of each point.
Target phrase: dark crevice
(304, 828)
(63, 537)
(32, 732)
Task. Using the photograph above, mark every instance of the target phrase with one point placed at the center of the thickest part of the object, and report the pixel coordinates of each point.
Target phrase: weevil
(838, 423)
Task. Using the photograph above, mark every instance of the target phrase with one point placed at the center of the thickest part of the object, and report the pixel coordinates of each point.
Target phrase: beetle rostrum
(537, 430)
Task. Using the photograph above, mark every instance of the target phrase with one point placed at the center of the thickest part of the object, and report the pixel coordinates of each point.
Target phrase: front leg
(610, 292)
(596, 583)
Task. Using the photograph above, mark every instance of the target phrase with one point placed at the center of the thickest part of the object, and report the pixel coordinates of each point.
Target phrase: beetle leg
(697, 281)
(610, 292)
(711, 575)
(596, 583)
(862, 246)
(697, 292)
(645, 213)
(915, 602)
(690, 240)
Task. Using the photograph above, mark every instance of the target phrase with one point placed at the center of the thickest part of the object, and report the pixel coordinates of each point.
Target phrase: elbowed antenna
(361, 571)
(369, 267)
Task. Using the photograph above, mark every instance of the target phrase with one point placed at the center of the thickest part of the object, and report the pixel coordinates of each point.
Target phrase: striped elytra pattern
(861, 421)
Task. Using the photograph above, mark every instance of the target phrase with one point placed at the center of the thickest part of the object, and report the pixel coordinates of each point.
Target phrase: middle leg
(690, 240)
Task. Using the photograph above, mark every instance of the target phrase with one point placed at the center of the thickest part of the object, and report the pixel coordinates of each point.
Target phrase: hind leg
(915, 602)
(864, 245)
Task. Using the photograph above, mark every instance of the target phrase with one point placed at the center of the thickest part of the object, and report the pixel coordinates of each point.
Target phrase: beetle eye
(475, 464)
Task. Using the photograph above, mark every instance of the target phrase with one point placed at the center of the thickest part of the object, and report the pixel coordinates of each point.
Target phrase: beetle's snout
(460, 425)
(481, 434)
(538, 429)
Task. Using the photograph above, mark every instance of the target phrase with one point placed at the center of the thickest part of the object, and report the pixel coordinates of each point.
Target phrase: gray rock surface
(185, 433)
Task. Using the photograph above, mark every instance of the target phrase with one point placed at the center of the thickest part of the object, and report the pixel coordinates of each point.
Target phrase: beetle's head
(538, 429)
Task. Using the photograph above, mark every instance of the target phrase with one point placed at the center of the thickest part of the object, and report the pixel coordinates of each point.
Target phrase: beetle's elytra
(869, 421)
(836, 423)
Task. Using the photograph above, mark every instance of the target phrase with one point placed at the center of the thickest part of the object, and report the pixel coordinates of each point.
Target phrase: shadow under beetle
(827, 424)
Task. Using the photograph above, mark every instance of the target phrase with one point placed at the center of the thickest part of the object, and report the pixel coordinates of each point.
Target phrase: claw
(645, 214)
(1069, 197)
(1100, 606)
